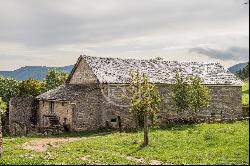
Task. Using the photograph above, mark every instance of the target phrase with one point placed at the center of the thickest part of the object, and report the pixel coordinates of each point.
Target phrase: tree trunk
(145, 129)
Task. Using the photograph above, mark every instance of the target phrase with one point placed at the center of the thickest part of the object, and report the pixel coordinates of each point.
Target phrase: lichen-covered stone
(95, 95)
(116, 70)
(22, 115)
(99, 107)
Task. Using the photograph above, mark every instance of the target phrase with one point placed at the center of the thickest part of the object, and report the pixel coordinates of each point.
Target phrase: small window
(52, 107)
(113, 120)
(43, 103)
(62, 103)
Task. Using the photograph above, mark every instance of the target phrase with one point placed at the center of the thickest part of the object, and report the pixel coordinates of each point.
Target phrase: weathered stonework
(103, 107)
(81, 73)
(90, 104)
(22, 115)
(62, 110)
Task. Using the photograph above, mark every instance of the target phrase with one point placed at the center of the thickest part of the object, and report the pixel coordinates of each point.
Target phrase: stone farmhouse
(93, 95)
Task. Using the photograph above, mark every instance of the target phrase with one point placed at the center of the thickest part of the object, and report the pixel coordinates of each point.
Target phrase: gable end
(82, 73)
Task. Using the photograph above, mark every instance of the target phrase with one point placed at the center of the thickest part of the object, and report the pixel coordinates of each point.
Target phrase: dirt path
(41, 145)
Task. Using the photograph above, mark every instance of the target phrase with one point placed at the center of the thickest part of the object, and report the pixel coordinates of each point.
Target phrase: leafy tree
(55, 78)
(199, 95)
(3, 106)
(192, 97)
(32, 87)
(180, 93)
(8, 88)
(145, 99)
(244, 73)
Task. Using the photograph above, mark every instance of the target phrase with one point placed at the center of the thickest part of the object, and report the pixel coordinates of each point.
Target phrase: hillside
(237, 67)
(35, 72)
(39, 72)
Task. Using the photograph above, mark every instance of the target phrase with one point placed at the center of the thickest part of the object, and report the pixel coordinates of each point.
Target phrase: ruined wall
(83, 74)
(61, 109)
(22, 115)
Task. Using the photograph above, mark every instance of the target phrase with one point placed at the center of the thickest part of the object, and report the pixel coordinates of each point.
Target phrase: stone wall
(22, 115)
(108, 107)
(62, 110)
(116, 107)
(87, 110)
(225, 103)
(83, 74)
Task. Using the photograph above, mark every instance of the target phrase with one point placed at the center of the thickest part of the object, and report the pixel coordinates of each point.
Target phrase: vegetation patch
(220, 143)
(245, 94)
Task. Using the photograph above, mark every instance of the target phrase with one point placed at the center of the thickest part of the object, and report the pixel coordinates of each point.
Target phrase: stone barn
(93, 95)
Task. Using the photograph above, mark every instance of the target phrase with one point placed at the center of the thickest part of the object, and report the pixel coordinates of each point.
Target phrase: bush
(192, 96)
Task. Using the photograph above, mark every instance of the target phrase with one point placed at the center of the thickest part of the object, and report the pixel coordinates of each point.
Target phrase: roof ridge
(152, 59)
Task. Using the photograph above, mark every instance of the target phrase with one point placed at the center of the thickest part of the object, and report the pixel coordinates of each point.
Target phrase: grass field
(245, 94)
(186, 144)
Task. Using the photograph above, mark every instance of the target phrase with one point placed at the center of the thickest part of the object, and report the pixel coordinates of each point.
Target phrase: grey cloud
(47, 23)
(16, 57)
(142, 28)
(234, 53)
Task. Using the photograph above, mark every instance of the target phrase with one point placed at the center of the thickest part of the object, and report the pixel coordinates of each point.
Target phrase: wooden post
(145, 129)
(119, 124)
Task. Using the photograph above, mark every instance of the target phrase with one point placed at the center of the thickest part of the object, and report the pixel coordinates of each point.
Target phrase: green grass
(186, 144)
(245, 94)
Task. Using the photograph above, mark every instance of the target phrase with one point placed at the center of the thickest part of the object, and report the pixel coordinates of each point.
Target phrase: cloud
(234, 53)
(46, 23)
(129, 28)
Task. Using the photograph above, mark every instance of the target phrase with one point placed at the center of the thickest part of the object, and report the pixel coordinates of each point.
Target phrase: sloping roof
(66, 92)
(115, 70)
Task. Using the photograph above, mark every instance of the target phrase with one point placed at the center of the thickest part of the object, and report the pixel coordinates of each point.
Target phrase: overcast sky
(56, 32)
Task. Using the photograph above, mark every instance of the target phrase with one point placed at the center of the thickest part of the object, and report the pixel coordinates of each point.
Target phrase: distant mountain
(40, 72)
(35, 72)
(237, 67)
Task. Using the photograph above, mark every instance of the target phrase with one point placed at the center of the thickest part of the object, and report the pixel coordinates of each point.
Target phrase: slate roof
(66, 92)
(115, 70)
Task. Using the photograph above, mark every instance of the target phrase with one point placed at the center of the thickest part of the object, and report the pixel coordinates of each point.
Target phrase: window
(62, 103)
(113, 120)
(43, 103)
(52, 107)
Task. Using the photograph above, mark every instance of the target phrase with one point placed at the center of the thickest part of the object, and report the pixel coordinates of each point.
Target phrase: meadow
(245, 94)
(219, 143)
